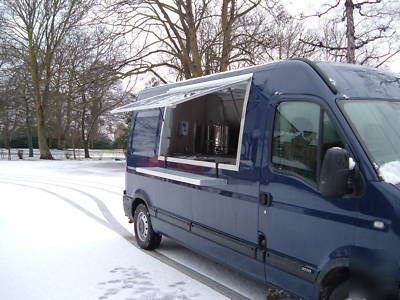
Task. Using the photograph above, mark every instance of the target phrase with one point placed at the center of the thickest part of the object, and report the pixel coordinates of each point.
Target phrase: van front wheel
(144, 233)
(354, 289)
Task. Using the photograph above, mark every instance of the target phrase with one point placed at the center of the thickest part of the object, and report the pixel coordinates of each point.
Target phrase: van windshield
(377, 124)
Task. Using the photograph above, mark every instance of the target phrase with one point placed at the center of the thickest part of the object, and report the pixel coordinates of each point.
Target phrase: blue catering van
(288, 172)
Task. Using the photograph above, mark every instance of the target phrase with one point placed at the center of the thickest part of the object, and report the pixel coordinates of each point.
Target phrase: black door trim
(287, 264)
(292, 266)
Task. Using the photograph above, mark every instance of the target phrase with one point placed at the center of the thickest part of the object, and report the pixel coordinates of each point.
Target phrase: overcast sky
(305, 6)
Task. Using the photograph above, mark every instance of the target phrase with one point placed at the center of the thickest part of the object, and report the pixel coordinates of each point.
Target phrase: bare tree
(190, 37)
(89, 86)
(37, 27)
(282, 37)
(11, 112)
(95, 103)
(359, 31)
(15, 100)
(22, 96)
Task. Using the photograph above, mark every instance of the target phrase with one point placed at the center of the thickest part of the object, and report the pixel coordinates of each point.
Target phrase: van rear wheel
(144, 233)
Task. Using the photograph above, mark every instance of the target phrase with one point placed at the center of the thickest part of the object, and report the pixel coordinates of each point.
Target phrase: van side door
(303, 230)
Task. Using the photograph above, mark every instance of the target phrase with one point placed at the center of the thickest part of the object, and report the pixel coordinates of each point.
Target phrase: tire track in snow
(120, 229)
(74, 205)
(47, 180)
(105, 183)
(115, 226)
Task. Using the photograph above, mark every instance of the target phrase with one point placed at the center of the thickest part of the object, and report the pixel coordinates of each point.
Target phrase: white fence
(99, 154)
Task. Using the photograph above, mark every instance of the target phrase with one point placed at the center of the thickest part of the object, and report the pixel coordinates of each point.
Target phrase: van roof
(357, 81)
(344, 80)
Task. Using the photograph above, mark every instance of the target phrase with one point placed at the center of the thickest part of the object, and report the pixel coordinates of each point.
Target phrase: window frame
(322, 110)
(223, 166)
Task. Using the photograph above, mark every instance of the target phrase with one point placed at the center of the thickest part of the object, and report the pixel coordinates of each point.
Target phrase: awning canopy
(177, 95)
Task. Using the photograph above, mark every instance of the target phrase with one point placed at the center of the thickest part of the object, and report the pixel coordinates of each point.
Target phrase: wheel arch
(331, 266)
(140, 197)
(332, 274)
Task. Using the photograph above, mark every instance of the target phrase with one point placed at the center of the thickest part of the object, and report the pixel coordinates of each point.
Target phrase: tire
(341, 292)
(353, 290)
(145, 236)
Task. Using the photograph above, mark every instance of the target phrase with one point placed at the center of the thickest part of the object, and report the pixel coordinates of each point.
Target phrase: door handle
(265, 199)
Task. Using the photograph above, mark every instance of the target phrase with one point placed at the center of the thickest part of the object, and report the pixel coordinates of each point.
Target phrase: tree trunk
(193, 41)
(61, 142)
(85, 140)
(226, 22)
(29, 133)
(351, 44)
(65, 130)
(28, 128)
(30, 143)
(86, 148)
(42, 138)
(84, 137)
(37, 97)
(73, 146)
(8, 144)
(41, 128)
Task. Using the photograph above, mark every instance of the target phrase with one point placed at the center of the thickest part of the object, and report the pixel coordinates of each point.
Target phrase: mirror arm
(355, 180)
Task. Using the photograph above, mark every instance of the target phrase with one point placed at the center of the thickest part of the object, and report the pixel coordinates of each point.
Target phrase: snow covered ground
(64, 236)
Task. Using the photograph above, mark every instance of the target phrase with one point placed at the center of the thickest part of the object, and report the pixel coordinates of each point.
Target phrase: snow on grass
(57, 223)
(65, 236)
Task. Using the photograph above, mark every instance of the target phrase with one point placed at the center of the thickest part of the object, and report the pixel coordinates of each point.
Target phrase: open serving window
(202, 122)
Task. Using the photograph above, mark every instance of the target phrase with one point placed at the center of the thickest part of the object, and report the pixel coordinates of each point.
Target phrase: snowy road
(64, 236)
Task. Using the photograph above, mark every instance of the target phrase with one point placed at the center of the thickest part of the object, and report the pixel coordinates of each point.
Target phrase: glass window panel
(145, 133)
(295, 138)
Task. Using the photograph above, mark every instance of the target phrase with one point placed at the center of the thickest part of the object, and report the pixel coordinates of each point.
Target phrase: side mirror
(335, 173)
